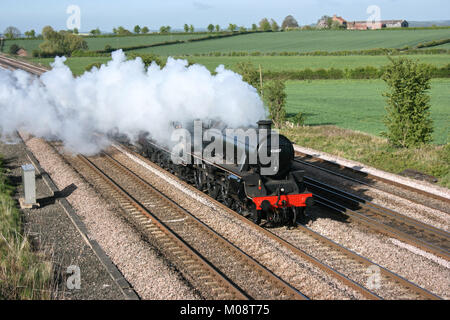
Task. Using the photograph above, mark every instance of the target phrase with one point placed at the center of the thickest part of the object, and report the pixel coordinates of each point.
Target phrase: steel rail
(18, 64)
(382, 219)
(178, 244)
(388, 275)
(370, 176)
(297, 251)
(270, 279)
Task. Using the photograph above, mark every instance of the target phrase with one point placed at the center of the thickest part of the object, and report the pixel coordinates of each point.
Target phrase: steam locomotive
(267, 192)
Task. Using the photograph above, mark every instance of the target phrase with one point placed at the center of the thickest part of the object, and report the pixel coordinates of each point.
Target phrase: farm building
(22, 52)
(372, 25)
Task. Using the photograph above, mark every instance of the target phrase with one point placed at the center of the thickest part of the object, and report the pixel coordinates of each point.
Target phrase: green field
(359, 105)
(282, 63)
(77, 64)
(99, 43)
(274, 63)
(352, 104)
(307, 41)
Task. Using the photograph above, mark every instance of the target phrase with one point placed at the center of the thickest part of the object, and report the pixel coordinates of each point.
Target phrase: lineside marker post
(29, 187)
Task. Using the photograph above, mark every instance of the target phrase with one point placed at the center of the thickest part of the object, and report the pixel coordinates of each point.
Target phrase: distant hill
(438, 23)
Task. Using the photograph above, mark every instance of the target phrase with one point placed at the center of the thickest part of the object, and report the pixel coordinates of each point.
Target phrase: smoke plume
(122, 96)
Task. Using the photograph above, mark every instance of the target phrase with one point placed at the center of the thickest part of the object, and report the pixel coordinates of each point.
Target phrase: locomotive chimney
(265, 124)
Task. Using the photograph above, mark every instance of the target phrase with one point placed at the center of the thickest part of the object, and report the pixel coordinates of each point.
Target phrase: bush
(249, 74)
(275, 97)
(147, 58)
(92, 65)
(408, 119)
(299, 119)
(36, 53)
(60, 43)
(13, 48)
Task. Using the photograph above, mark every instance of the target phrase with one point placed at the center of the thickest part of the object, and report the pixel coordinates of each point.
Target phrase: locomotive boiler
(250, 172)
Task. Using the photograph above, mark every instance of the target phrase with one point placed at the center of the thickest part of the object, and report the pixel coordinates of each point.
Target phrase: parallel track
(10, 63)
(443, 200)
(340, 255)
(219, 284)
(170, 233)
(383, 220)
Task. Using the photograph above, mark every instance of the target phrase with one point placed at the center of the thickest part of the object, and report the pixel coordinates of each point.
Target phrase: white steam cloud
(122, 95)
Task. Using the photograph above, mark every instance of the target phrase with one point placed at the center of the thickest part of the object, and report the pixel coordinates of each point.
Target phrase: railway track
(410, 193)
(12, 64)
(187, 240)
(342, 264)
(383, 220)
(218, 283)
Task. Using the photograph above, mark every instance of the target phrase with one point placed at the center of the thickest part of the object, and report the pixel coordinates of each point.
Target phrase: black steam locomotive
(260, 190)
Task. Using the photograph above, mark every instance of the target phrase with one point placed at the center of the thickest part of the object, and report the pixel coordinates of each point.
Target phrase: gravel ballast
(53, 233)
(376, 247)
(143, 267)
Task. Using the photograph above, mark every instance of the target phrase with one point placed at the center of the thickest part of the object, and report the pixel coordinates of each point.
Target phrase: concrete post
(29, 185)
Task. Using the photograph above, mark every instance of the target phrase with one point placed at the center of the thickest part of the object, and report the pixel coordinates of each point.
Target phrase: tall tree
(289, 23)
(274, 25)
(191, 28)
(137, 29)
(264, 25)
(186, 27)
(211, 27)
(145, 30)
(121, 31)
(30, 34)
(254, 27)
(324, 22)
(11, 32)
(217, 28)
(232, 27)
(95, 31)
(165, 29)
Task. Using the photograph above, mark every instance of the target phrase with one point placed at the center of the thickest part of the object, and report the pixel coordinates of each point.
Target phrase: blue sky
(106, 14)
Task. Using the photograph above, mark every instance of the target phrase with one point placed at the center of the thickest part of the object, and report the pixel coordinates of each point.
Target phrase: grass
(291, 63)
(24, 274)
(359, 104)
(374, 151)
(306, 41)
(101, 42)
(77, 64)
(271, 63)
(302, 41)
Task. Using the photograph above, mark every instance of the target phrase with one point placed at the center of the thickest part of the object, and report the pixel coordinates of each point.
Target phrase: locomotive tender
(256, 189)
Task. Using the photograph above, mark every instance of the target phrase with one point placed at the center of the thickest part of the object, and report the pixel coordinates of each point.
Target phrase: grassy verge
(24, 274)
(374, 151)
